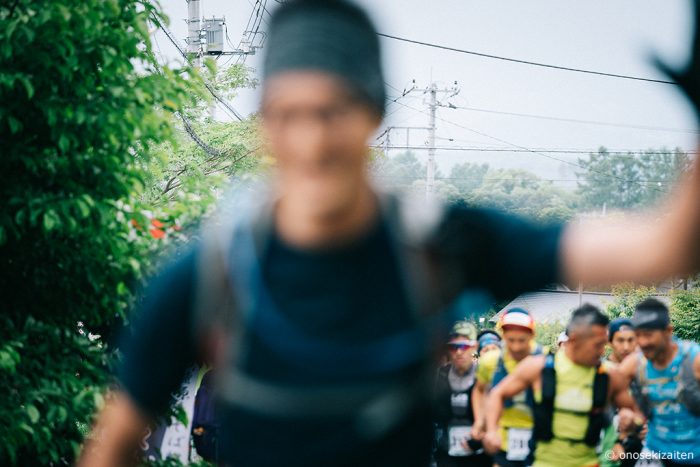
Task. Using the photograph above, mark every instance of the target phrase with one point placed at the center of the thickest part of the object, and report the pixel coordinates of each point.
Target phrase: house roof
(550, 306)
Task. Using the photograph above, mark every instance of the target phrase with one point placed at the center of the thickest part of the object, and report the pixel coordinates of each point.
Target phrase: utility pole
(433, 103)
(208, 39)
(430, 175)
(194, 39)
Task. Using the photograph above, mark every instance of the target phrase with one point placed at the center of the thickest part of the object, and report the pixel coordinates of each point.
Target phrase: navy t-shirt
(348, 295)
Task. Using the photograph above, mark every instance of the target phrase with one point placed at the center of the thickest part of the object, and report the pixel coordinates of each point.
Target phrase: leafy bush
(82, 104)
(546, 334)
(627, 297)
(684, 308)
(685, 314)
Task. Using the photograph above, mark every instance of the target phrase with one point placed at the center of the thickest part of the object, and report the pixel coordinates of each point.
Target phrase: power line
(528, 150)
(525, 62)
(575, 120)
(500, 140)
(212, 151)
(251, 32)
(199, 141)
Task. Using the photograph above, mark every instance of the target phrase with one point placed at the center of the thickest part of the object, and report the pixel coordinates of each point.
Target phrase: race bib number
(646, 459)
(457, 435)
(518, 444)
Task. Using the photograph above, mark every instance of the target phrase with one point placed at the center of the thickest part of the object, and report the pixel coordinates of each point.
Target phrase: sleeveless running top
(672, 428)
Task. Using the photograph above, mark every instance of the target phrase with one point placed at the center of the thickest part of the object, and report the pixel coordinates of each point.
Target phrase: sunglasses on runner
(455, 346)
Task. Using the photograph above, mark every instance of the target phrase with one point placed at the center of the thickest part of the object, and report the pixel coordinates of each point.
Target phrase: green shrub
(82, 104)
(546, 334)
(685, 314)
(627, 297)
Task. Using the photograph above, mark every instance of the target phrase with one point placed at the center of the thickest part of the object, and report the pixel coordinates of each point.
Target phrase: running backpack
(689, 387)
(501, 372)
(544, 410)
(231, 254)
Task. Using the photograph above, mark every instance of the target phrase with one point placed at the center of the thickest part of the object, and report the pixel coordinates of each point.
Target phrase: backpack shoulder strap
(597, 416)
(689, 393)
(411, 223)
(641, 369)
(500, 371)
(637, 386)
(544, 410)
(218, 305)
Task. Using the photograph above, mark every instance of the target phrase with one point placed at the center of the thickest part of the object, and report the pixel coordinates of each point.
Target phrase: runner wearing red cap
(518, 329)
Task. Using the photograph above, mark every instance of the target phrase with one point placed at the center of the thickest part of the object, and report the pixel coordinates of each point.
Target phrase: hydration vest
(453, 409)
(232, 301)
(673, 427)
(688, 392)
(544, 410)
(501, 372)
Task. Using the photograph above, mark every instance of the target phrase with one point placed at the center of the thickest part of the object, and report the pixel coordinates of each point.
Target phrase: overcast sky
(610, 36)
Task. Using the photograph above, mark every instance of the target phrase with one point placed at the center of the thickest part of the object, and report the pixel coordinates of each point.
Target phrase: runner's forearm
(115, 436)
(494, 408)
(647, 248)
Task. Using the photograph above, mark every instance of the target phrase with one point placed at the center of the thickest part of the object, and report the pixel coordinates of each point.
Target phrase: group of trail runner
(504, 400)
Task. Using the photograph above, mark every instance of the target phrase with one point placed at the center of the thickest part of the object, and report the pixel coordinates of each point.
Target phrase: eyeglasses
(454, 346)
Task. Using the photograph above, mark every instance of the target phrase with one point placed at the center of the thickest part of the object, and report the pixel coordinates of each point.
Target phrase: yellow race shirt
(519, 415)
(574, 393)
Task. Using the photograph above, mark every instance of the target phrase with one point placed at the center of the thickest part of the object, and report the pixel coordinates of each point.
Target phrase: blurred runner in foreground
(328, 358)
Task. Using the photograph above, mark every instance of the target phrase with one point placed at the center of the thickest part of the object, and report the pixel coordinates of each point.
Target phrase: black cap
(330, 36)
(651, 314)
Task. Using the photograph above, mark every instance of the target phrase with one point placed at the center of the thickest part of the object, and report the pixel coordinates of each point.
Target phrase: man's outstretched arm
(115, 436)
(156, 357)
(648, 248)
(642, 249)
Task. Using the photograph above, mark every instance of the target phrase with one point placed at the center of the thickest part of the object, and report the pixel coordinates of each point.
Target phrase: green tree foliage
(685, 314)
(467, 177)
(401, 170)
(684, 307)
(546, 334)
(184, 180)
(517, 191)
(225, 82)
(525, 194)
(82, 106)
(626, 297)
(629, 180)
